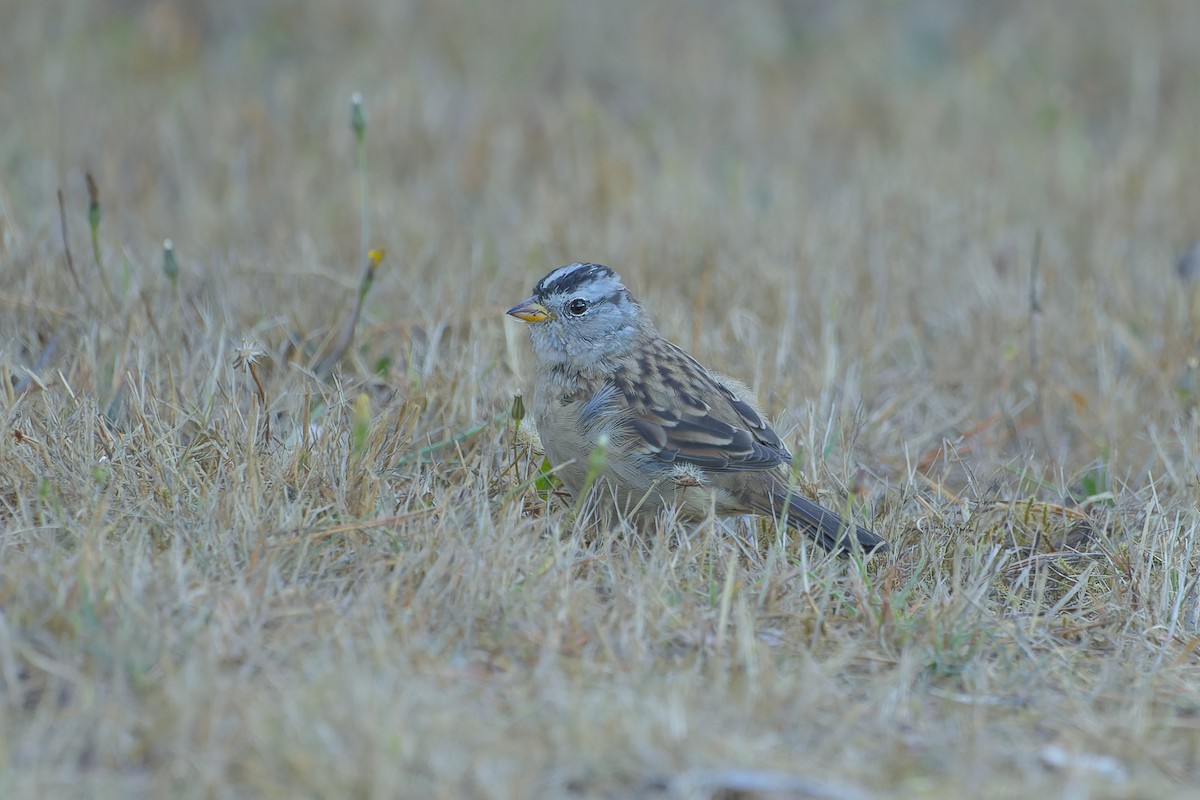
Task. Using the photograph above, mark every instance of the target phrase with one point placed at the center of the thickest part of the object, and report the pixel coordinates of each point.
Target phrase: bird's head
(581, 315)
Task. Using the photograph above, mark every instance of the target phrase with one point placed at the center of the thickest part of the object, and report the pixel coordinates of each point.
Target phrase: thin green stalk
(94, 222)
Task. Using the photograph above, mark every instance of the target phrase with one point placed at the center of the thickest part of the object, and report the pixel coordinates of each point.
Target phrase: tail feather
(830, 530)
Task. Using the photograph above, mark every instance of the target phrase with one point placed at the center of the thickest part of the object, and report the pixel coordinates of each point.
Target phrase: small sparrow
(673, 434)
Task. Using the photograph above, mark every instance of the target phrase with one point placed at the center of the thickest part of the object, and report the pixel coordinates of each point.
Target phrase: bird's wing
(669, 413)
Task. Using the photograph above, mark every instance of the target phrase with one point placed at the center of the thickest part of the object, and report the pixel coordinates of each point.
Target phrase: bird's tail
(830, 530)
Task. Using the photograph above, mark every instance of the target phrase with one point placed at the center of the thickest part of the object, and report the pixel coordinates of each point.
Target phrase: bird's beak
(531, 311)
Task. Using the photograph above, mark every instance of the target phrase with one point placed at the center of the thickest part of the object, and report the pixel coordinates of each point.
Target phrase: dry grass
(837, 203)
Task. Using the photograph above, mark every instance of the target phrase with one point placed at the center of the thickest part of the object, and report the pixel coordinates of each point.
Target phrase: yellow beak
(531, 311)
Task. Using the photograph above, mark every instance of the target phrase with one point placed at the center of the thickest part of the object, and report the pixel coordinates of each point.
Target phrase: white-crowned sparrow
(675, 435)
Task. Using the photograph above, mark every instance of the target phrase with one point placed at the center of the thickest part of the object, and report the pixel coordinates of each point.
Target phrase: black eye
(578, 306)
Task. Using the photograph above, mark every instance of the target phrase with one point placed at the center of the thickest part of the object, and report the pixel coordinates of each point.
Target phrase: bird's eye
(578, 306)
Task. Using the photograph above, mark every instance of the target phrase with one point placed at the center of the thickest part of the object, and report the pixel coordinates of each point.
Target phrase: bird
(672, 433)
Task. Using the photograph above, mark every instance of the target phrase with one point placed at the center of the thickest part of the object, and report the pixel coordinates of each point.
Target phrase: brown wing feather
(724, 436)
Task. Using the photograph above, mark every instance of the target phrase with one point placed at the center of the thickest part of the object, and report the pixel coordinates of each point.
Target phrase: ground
(941, 240)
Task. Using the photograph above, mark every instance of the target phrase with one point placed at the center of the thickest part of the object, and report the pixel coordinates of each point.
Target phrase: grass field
(940, 239)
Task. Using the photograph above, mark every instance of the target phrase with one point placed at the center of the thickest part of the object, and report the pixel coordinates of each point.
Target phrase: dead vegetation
(268, 526)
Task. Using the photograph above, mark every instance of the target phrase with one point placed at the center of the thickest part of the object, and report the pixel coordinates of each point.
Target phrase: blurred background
(804, 191)
(940, 238)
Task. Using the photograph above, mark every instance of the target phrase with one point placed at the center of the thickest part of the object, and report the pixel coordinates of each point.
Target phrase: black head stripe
(569, 278)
